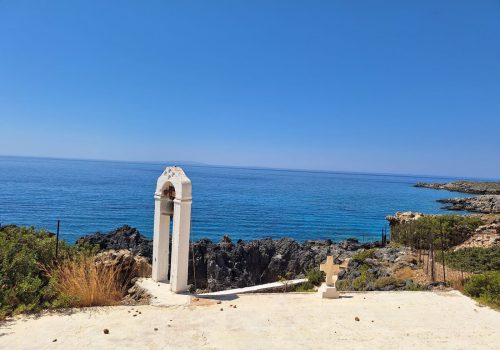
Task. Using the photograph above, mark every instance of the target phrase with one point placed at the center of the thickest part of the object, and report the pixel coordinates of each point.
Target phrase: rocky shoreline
(471, 187)
(487, 201)
(486, 204)
(227, 264)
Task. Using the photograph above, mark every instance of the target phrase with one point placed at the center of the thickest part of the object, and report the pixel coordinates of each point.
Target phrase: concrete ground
(387, 320)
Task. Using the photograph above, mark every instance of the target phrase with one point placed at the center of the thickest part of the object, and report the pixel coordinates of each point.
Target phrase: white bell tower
(172, 200)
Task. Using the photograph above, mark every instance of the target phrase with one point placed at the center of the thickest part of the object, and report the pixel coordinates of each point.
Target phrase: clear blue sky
(376, 86)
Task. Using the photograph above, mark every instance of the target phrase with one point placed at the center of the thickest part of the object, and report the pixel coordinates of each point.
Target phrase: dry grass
(404, 273)
(86, 283)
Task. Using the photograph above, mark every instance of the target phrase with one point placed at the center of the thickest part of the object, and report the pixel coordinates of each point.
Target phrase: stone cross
(331, 270)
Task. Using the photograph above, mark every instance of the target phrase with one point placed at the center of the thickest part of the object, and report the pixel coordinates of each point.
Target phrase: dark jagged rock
(124, 237)
(222, 266)
(225, 265)
(487, 204)
(472, 187)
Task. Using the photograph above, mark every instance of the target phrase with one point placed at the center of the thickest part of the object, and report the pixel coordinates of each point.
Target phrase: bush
(315, 277)
(305, 287)
(365, 279)
(443, 230)
(80, 281)
(342, 284)
(474, 259)
(361, 256)
(414, 287)
(386, 281)
(485, 288)
(23, 285)
(26, 254)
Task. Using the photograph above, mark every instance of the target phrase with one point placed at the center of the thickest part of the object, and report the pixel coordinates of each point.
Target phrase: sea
(245, 203)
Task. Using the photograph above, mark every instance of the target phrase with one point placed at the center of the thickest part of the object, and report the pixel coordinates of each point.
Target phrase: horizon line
(251, 167)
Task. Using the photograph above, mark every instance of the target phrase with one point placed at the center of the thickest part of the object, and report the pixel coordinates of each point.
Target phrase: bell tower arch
(173, 200)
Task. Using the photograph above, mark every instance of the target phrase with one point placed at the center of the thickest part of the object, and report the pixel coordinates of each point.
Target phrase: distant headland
(472, 187)
(487, 201)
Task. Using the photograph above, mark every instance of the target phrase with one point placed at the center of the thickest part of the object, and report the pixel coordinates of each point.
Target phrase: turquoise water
(89, 196)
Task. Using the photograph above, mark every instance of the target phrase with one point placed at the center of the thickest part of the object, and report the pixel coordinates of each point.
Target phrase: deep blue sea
(89, 196)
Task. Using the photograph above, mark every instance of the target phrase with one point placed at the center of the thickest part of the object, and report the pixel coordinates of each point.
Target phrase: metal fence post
(57, 238)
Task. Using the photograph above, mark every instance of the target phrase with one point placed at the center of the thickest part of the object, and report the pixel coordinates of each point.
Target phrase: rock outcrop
(130, 266)
(472, 187)
(385, 269)
(486, 204)
(485, 236)
(404, 217)
(124, 237)
(225, 265)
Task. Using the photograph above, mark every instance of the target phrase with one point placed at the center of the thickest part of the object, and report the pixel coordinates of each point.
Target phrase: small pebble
(221, 309)
(356, 318)
(372, 320)
(219, 302)
(169, 326)
(134, 315)
(234, 306)
(106, 331)
(156, 329)
(54, 340)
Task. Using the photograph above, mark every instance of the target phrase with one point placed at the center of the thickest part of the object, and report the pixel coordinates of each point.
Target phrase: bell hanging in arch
(168, 208)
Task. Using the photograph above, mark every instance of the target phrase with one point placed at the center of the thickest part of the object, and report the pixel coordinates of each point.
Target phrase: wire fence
(434, 264)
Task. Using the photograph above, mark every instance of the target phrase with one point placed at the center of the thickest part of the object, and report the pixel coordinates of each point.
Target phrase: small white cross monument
(328, 289)
(172, 200)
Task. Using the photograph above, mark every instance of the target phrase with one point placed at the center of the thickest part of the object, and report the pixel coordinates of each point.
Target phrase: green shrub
(443, 230)
(305, 287)
(414, 287)
(25, 254)
(315, 277)
(385, 281)
(474, 259)
(485, 288)
(363, 281)
(342, 284)
(361, 256)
